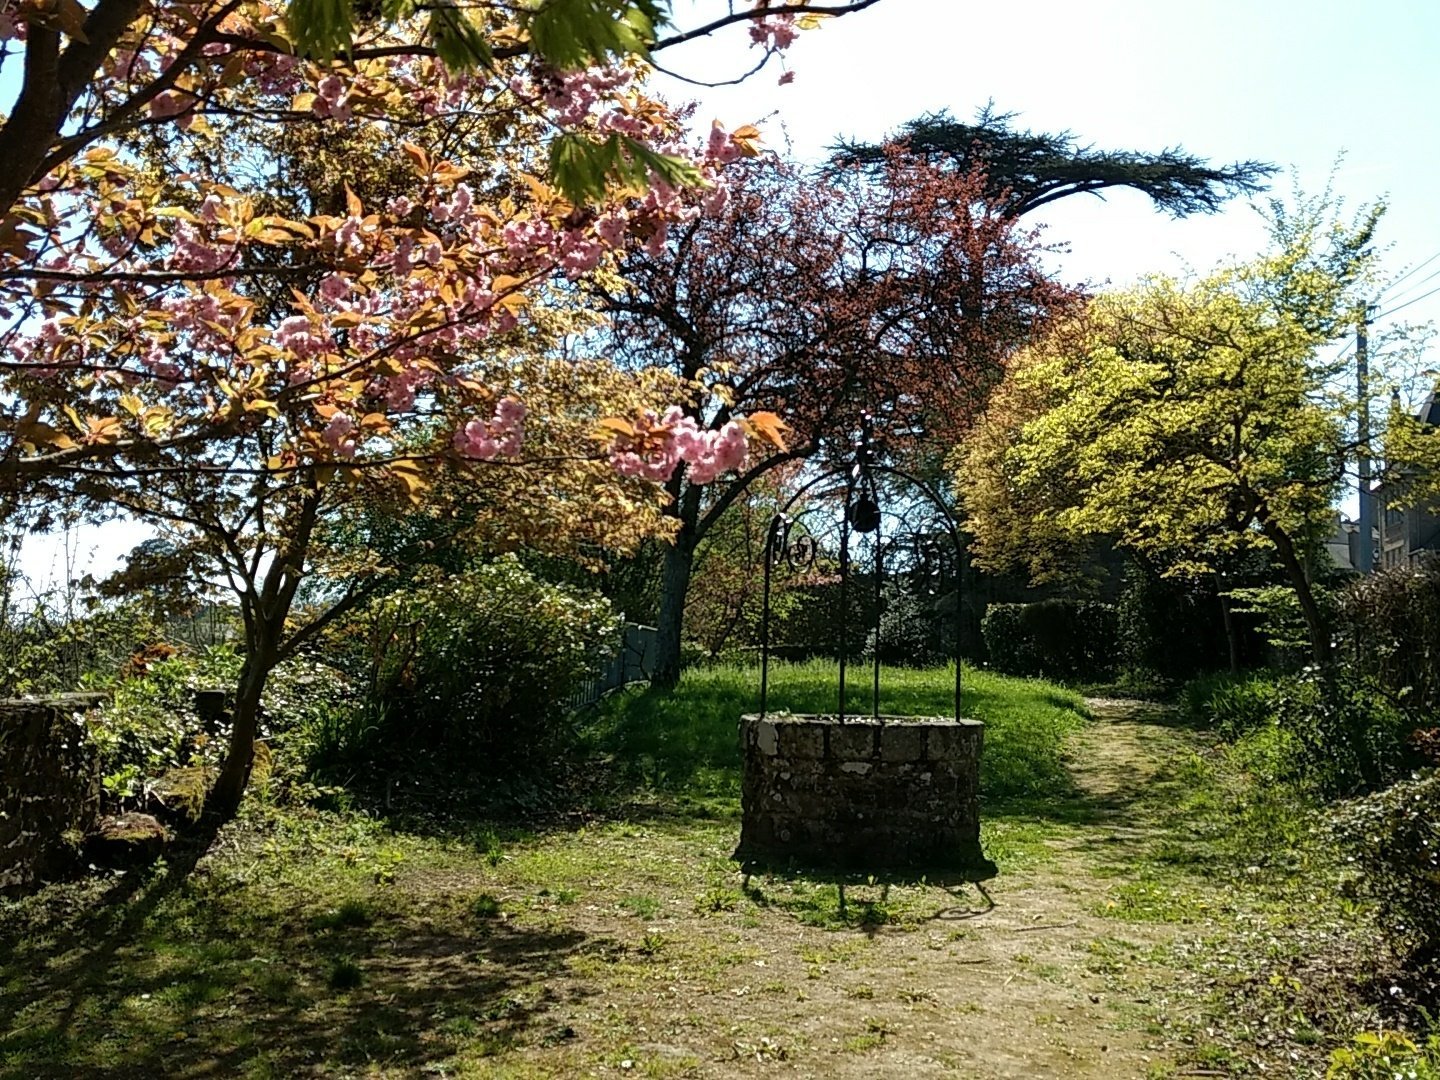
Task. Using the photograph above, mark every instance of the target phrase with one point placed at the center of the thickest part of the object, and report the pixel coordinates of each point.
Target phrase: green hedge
(1392, 839)
(1053, 639)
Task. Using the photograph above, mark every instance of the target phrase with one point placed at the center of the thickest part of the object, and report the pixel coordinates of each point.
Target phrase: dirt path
(1047, 983)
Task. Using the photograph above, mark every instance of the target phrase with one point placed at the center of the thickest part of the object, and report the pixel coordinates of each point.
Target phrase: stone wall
(898, 793)
(49, 786)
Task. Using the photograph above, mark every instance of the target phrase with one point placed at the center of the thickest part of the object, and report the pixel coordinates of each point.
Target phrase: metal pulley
(864, 514)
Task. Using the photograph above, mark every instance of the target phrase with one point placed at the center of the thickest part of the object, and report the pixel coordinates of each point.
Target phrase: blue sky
(1296, 83)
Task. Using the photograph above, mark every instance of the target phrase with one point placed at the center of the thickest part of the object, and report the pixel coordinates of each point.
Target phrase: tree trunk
(674, 586)
(225, 796)
(1300, 581)
(53, 81)
(1227, 618)
(265, 614)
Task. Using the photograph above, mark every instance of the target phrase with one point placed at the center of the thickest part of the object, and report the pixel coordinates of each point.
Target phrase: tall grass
(687, 740)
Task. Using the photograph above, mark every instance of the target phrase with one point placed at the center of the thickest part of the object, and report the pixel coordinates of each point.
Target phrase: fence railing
(634, 661)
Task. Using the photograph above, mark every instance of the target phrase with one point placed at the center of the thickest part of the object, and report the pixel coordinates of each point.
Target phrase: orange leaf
(747, 138)
(418, 156)
(411, 475)
(768, 427)
(613, 425)
(40, 434)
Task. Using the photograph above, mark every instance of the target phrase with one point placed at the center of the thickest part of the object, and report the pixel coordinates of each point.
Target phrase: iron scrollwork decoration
(798, 550)
(793, 544)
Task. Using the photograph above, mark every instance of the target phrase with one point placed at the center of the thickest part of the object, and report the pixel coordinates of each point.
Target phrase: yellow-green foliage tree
(1185, 420)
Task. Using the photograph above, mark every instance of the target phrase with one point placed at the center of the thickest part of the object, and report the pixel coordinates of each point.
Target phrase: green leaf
(675, 171)
(581, 168)
(320, 28)
(578, 167)
(460, 44)
(578, 33)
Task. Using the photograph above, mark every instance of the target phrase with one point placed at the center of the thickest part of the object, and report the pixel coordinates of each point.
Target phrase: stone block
(802, 740)
(853, 742)
(767, 739)
(902, 742)
(49, 786)
(959, 741)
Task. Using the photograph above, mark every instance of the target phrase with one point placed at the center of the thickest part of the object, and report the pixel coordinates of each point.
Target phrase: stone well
(874, 794)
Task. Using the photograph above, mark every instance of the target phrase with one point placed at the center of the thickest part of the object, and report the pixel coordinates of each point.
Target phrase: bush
(43, 652)
(1385, 1055)
(482, 663)
(1334, 735)
(1348, 736)
(149, 724)
(1393, 841)
(1231, 704)
(1390, 630)
(911, 632)
(1277, 615)
(149, 727)
(1170, 628)
(1055, 639)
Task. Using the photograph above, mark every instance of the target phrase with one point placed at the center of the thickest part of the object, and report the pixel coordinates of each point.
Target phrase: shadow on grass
(90, 939)
(188, 978)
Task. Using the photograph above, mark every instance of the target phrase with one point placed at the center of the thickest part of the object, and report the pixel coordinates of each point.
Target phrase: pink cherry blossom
(500, 436)
(339, 435)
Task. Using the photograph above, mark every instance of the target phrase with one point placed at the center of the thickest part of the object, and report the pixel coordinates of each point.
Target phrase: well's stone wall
(49, 785)
(898, 793)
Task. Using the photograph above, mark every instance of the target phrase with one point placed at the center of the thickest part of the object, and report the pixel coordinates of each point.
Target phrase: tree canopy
(1185, 420)
(868, 301)
(1026, 170)
(251, 285)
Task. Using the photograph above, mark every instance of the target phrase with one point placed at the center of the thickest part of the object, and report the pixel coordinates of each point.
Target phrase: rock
(179, 795)
(126, 840)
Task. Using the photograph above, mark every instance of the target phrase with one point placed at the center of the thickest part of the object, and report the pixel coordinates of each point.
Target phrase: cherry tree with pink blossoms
(243, 288)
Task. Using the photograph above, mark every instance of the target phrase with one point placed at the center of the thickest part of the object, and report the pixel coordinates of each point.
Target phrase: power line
(1407, 303)
(1427, 278)
(1413, 270)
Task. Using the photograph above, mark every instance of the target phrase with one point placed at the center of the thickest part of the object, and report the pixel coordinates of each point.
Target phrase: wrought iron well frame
(857, 476)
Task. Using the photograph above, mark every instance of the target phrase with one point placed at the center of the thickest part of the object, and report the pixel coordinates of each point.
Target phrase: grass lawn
(687, 743)
(1133, 933)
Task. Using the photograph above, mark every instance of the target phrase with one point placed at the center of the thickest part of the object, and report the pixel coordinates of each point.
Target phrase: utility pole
(1362, 386)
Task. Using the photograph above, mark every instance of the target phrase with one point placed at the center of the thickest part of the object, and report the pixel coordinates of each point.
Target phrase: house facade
(1410, 534)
